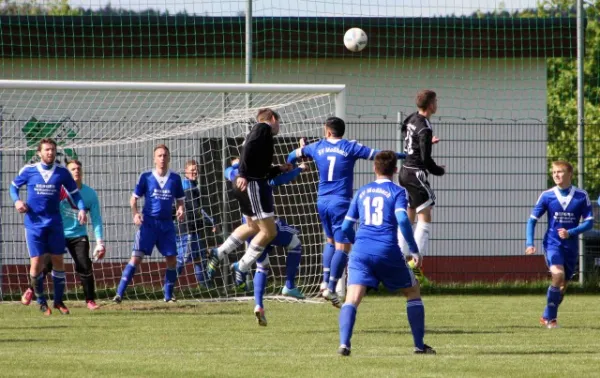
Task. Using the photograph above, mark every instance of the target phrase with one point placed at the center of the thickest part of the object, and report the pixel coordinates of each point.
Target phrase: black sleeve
(259, 137)
(425, 146)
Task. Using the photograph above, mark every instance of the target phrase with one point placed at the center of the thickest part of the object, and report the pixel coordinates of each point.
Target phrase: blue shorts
(388, 267)
(190, 247)
(565, 257)
(155, 232)
(332, 211)
(45, 240)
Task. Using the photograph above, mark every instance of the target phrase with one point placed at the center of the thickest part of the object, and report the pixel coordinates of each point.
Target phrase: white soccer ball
(355, 39)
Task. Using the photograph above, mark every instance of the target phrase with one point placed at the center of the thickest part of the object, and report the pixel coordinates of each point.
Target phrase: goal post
(112, 127)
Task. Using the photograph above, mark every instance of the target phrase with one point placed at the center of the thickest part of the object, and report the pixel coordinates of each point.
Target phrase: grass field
(475, 336)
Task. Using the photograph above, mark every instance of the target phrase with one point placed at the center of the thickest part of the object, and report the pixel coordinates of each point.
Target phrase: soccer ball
(355, 39)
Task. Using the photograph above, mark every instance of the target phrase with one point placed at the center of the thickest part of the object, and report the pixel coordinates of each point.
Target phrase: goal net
(112, 127)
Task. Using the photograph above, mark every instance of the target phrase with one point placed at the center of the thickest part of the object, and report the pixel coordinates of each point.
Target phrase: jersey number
(374, 217)
(331, 164)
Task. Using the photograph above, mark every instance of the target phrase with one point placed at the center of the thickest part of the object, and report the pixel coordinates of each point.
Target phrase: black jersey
(417, 144)
(256, 161)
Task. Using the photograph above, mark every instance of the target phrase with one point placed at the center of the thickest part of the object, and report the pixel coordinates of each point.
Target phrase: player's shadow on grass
(437, 331)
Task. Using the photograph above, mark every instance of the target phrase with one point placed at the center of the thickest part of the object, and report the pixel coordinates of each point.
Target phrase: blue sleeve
(140, 188)
(96, 218)
(307, 151)
(407, 231)
(540, 207)
(530, 231)
(363, 152)
(588, 212)
(348, 230)
(285, 177)
(14, 193)
(400, 155)
(231, 172)
(292, 157)
(583, 227)
(179, 193)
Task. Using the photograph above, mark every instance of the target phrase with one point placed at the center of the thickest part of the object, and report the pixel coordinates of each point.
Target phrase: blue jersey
(68, 210)
(375, 206)
(43, 193)
(563, 212)
(160, 193)
(335, 159)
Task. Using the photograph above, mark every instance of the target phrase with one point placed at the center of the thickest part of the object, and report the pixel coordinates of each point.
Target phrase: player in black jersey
(417, 167)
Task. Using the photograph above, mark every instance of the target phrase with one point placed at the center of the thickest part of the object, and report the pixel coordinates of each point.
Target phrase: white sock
(422, 236)
(252, 254)
(230, 245)
(403, 243)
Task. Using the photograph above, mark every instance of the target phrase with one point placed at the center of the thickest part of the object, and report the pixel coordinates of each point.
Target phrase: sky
(322, 8)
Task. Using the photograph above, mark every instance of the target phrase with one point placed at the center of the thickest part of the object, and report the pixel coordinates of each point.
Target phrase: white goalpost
(112, 127)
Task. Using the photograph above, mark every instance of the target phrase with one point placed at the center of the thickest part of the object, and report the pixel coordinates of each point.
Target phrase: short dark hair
(265, 115)
(385, 163)
(336, 125)
(46, 141)
(425, 98)
(164, 147)
(74, 161)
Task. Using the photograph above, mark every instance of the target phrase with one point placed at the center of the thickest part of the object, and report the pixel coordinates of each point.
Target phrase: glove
(99, 251)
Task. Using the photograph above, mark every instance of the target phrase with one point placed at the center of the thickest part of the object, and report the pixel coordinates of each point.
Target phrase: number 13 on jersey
(373, 211)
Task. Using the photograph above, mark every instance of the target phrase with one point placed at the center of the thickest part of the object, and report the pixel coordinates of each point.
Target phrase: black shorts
(420, 194)
(79, 246)
(257, 201)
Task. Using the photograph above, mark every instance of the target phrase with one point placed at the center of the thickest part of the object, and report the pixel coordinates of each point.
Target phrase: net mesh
(113, 134)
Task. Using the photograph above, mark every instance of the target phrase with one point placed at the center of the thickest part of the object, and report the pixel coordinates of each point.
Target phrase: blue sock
(198, 271)
(292, 262)
(328, 252)
(58, 278)
(553, 300)
(38, 287)
(260, 284)
(347, 319)
(170, 278)
(126, 278)
(338, 264)
(416, 318)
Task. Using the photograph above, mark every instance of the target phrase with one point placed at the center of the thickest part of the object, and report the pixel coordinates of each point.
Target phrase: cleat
(544, 321)
(170, 300)
(552, 324)
(333, 298)
(294, 293)
(213, 264)
(426, 350)
(91, 305)
(117, 299)
(45, 309)
(27, 296)
(240, 277)
(343, 350)
(259, 312)
(62, 308)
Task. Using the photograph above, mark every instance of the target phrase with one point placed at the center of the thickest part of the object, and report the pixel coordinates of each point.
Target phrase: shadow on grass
(436, 332)
(535, 352)
(36, 327)
(23, 340)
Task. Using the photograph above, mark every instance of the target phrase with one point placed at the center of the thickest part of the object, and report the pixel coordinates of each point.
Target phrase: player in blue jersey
(380, 208)
(335, 158)
(569, 214)
(43, 222)
(76, 235)
(160, 187)
(286, 237)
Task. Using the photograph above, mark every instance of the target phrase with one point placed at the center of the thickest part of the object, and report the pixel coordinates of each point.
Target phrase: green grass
(475, 336)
